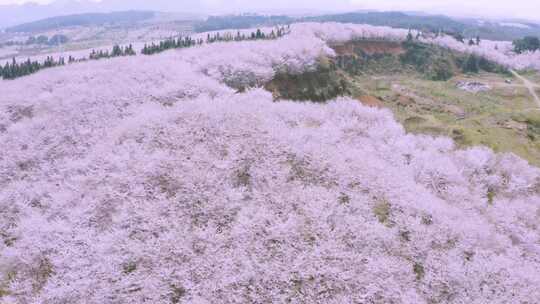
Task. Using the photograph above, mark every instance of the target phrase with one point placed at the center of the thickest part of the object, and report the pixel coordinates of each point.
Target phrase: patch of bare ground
(370, 101)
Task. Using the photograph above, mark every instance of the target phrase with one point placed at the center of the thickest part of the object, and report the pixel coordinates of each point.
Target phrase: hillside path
(529, 85)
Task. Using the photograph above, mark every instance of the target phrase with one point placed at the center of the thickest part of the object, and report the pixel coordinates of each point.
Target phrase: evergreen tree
(471, 64)
(459, 38)
(117, 51)
(130, 51)
(528, 43)
(409, 36)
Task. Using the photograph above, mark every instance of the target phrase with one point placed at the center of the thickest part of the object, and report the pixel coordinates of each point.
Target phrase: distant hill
(394, 19)
(500, 30)
(82, 20)
(15, 14)
(214, 23)
(492, 30)
(486, 29)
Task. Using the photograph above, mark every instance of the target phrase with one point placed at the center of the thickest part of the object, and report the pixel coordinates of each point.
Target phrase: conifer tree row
(15, 69)
(257, 35)
(171, 43)
(117, 51)
(185, 42)
(19, 69)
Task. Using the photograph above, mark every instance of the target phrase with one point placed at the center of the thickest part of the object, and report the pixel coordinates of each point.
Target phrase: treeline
(441, 64)
(245, 21)
(171, 43)
(527, 44)
(257, 35)
(39, 40)
(186, 42)
(474, 64)
(44, 40)
(117, 51)
(431, 61)
(15, 69)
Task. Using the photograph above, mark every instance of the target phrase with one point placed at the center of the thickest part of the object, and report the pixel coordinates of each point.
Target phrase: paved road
(529, 85)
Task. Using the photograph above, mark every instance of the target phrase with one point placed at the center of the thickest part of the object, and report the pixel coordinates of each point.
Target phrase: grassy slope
(505, 118)
(502, 119)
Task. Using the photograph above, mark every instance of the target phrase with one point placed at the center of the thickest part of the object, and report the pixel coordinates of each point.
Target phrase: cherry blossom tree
(162, 184)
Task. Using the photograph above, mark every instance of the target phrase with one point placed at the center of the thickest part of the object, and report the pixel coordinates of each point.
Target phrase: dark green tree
(409, 36)
(471, 64)
(529, 43)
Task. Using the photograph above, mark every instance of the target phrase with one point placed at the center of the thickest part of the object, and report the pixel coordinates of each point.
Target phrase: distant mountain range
(62, 13)
(88, 19)
(469, 28)
(11, 15)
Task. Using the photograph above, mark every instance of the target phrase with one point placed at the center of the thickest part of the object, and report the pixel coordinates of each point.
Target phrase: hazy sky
(489, 8)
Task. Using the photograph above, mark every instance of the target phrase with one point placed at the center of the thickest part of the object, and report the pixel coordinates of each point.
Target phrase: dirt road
(529, 85)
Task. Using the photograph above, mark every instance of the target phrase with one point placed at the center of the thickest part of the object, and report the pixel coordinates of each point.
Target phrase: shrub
(528, 43)
(471, 65)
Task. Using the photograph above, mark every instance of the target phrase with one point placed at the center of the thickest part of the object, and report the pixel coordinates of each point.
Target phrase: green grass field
(504, 118)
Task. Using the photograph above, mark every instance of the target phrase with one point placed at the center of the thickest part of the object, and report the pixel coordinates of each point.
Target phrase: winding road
(529, 85)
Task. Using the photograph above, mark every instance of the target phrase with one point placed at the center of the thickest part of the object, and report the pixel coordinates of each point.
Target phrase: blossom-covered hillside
(306, 33)
(151, 180)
